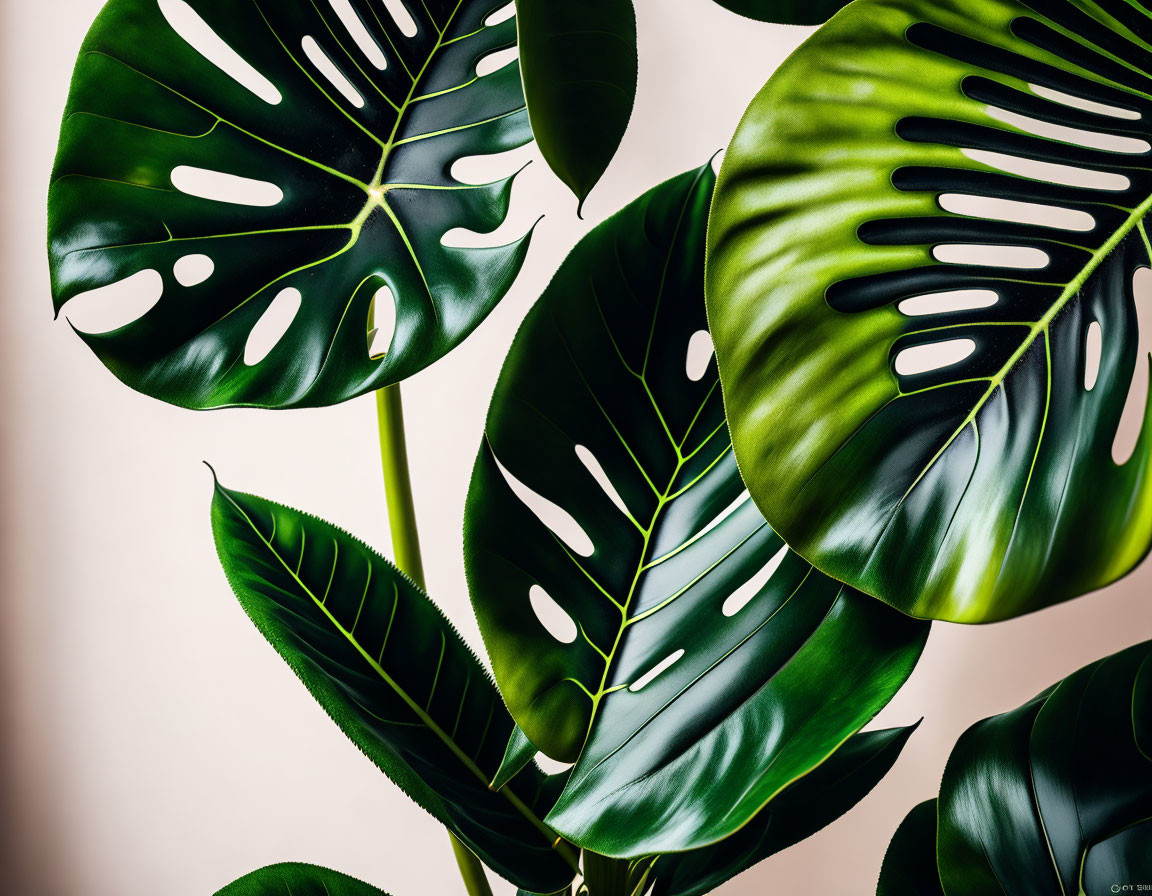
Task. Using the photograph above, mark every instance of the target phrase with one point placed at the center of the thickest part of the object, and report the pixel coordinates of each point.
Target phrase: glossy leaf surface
(298, 880)
(1053, 797)
(361, 155)
(393, 674)
(910, 863)
(926, 218)
(580, 67)
(786, 12)
(650, 626)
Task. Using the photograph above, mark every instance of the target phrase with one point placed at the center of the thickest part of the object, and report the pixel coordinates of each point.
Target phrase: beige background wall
(152, 742)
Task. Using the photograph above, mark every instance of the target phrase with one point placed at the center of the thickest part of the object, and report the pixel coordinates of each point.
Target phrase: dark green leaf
(993, 485)
(699, 664)
(1054, 797)
(517, 756)
(393, 674)
(810, 804)
(367, 192)
(786, 12)
(579, 63)
(910, 863)
(298, 880)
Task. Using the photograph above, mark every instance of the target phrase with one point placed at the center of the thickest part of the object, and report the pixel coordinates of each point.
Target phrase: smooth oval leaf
(1053, 797)
(708, 667)
(298, 880)
(580, 66)
(903, 298)
(156, 134)
(394, 675)
(786, 12)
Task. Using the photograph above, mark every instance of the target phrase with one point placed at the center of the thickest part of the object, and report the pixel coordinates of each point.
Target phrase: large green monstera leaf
(929, 222)
(394, 675)
(294, 879)
(641, 617)
(1052, 798)
(350, 122)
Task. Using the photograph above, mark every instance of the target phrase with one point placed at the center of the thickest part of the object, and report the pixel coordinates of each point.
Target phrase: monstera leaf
(350, 124)
(1053, 797)
(927, 219)
(394, 675)
(298, 880)
(785, 12)
(580, 64)
(641, 617)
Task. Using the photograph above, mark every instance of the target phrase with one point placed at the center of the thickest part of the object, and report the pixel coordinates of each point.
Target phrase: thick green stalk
(406, 550)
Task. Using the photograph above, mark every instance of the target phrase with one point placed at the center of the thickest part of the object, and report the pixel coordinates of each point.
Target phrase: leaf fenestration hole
(1067, 175)
(699, 356)
(192, 270)
(221, 187)
(551, 766)
(116, 305)
(381, 323)
(186, 22)
(1132, 417)
(479, 170)
(1013, 210)
(555, 518)
(329, 70)
(401, 16)
(272, 326)
(552, 616)
(1021, 257)
(1093, 345)
(659, 669)
(495, 61)
(359, 33)
(1067, 99)
(593, 466)
(948, 302)
(503, 14)
(742, 499)
(1065, 134)
(932, 356)
(742, 596)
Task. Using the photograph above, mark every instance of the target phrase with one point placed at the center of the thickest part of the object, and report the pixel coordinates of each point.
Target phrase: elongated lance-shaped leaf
(1052, 798)
(659, 633)
(349, 120)
(580, 66)
(810, 804)
(786, 12)
(298, 880)
(925, 253)
(393, 674)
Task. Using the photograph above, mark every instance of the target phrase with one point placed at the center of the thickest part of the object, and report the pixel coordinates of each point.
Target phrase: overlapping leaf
(786, 12)
(394, 675)
(363, 160)
(702, 668)
(921, 180)
(1053, 797)
(298, 880)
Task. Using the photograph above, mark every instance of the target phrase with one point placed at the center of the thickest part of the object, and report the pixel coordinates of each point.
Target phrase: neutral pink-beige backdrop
(152, 742)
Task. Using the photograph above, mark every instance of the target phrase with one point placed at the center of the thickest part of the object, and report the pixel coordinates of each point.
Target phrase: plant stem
(406, 550)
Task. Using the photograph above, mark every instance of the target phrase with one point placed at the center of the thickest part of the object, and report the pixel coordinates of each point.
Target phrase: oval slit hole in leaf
(948, 302)
(551, 615)
(495, 61)
(551, 766)
(1065, 134)
(592, 465)
(381, 323)
(1067, 99)
(555, 518)
(272, 326)
(116, 305)
(221, 187)
(331, 71)
(984, 254)
(742, 596)
(192, 270)
(359, 33)
(1013, 210)
(1093, 345)
(660, 668)
(402, 17)
(933, 355)
(481, 170)
(743, 498)
(186, 22)
(503, 14)
(1132, 417)
(700, 352)
(1067, 175)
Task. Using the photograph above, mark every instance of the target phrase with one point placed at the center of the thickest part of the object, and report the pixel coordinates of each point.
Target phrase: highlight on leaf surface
(298, 880)
(642, 619)
(395, 676)
(928, 280)
(277, 178)
(1053, 797)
